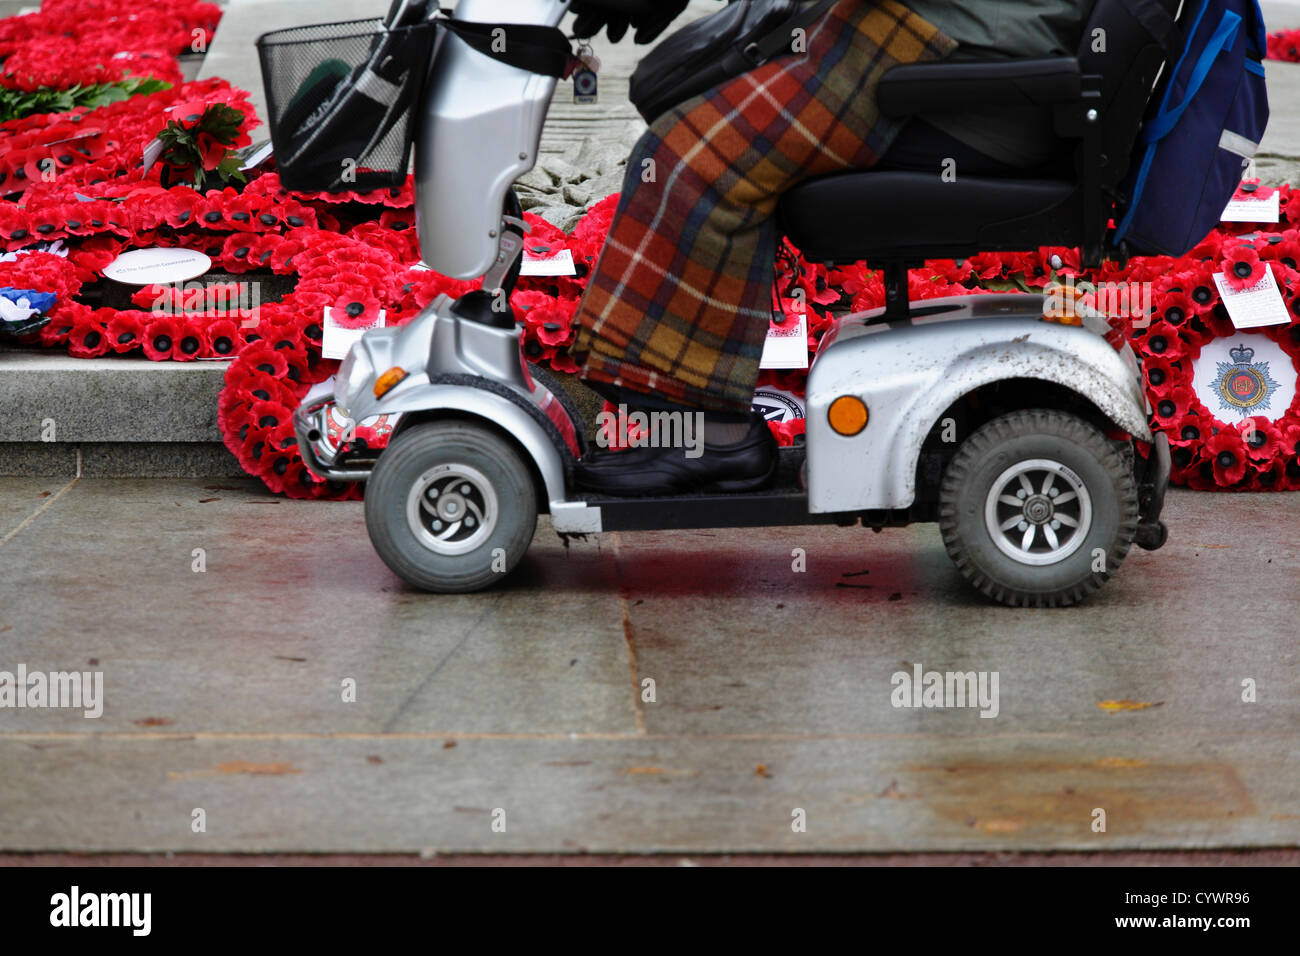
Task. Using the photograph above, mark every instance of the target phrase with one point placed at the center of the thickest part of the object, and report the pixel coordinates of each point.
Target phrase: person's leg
(679, 302)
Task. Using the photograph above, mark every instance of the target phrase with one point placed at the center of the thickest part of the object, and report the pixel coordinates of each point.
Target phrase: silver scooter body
(480, 130)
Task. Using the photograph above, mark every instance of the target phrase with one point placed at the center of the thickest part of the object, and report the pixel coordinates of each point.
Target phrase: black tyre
(451, 506)
(1038, 508)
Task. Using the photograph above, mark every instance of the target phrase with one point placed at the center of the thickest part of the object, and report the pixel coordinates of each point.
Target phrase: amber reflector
(386, 382)
(848, 415)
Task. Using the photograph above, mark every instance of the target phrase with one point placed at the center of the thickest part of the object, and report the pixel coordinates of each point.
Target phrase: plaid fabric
(678, 304)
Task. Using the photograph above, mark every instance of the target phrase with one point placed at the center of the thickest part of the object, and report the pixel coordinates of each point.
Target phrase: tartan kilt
(678, 303)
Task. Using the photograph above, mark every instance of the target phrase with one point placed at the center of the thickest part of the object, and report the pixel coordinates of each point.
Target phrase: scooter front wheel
(451, 506)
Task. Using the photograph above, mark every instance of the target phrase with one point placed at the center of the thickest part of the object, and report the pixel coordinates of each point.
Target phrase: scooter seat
(887, 214)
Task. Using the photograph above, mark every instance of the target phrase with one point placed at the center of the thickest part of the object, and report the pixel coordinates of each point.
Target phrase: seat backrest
(1116, 47)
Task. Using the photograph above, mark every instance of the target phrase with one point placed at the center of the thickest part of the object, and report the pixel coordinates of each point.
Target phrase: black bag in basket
(714, 49)
(348, 123)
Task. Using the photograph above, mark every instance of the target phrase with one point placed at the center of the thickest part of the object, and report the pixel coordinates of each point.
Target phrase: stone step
(110, 417)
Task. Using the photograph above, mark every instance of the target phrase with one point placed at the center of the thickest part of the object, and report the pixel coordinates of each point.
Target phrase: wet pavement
(527, 707)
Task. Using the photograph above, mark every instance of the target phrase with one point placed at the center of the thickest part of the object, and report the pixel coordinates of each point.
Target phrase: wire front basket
(341, 100)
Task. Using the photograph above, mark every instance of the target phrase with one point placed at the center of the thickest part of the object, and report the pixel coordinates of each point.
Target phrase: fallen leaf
(448, 744)
(761, 771)
(374, 758)
(1000, 826)
(235, 767)
(1116, 705)
(153, 722)
(44, 494)
(247, 766)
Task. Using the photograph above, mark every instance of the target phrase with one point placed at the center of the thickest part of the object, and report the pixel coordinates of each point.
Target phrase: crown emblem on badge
(1242, 354)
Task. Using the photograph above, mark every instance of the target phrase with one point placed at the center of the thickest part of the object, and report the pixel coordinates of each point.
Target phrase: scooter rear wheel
(451, 506)
(1038, 508)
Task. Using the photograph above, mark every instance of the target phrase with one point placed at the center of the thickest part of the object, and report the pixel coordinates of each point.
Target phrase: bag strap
(774, 43)
(537, 49)
(1222, 39)
(1160, 25)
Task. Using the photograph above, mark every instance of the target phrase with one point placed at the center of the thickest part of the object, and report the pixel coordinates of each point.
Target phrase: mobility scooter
(1025, 437)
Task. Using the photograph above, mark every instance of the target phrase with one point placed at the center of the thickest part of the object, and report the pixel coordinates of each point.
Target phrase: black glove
(650, 17)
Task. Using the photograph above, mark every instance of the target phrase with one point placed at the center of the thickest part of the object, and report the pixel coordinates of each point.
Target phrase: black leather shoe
(640, 471)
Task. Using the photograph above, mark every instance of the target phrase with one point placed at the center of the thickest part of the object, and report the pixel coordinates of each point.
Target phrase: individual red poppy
(235, 252)
(1242, 267)
(1262, 438)
(88, 339)
(1161, 374)
(269, 415)
(1173, 406)
(56, 331)
(283, 256)
(1227, 453)
(1162, 339)
(126, 331)
(1175, 306)
(160, 336)
(223, 336)
(260, 357)
(1202, 290)
(1191, 430)
(1268, 476)
(298, 367)
(191, 339)
(356, 310)
(251, 449)
(178, 207)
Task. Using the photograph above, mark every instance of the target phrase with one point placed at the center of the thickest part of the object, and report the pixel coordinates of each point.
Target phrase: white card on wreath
(336, 340)
(786, 345)
(560, 264)
(1253, 210)
(1259, 305)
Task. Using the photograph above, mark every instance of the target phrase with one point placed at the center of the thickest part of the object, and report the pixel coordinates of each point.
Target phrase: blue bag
(1196, 144)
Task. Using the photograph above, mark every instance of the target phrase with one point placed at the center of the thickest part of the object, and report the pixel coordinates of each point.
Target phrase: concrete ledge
(107, 399)
(118, 460)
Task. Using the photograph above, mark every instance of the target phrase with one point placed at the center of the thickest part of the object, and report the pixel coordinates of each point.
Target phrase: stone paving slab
(772, 688)
(643, 794)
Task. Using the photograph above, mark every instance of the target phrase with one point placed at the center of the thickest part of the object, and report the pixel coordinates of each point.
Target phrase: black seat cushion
(890, 214)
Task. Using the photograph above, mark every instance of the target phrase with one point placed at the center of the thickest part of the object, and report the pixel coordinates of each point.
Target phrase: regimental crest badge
(1244, 386)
